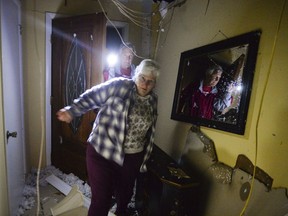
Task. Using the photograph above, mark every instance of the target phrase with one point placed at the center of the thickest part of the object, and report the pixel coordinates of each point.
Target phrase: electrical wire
(142, 19)
(159, 35)
(167, 25)
(128, 9)
(120, 36)
(164, 26)
(41, 113)
(261, 106)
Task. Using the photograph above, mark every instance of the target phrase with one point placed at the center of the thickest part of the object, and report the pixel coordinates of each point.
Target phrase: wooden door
(77, 47)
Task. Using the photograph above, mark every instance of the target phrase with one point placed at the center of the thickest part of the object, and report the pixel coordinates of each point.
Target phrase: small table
(169, 190)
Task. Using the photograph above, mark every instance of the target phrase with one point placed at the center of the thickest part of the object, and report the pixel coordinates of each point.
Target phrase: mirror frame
(227, 54)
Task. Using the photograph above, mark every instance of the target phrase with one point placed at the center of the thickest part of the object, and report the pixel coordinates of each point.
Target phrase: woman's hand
(64, 116)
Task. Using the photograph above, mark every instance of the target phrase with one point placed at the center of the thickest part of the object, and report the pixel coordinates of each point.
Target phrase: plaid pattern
(113, 99)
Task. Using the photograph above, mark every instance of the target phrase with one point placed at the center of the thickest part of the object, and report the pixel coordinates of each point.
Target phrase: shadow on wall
(197, 156)
(225, 190)
(177, 138)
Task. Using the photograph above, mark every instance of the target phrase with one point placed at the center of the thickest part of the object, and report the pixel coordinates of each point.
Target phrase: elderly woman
(122, 137)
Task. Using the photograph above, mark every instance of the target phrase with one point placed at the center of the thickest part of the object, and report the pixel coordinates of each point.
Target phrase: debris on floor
(49, 195)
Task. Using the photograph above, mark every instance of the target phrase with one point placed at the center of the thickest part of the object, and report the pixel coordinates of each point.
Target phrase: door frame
(49, 16)
(48, 25)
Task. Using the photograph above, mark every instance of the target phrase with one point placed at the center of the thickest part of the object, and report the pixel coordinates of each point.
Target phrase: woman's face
(126, 58)
(145, 84)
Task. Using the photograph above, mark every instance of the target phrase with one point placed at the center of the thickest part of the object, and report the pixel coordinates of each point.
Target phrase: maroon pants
(107, 178)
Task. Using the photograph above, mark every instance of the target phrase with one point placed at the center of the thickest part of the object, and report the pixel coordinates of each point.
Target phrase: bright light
(239, 88)
(112, 59)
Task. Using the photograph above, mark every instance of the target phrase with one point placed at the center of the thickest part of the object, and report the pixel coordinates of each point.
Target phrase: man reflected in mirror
(203, 99)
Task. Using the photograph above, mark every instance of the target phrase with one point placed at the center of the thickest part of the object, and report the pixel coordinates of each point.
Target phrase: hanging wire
(162, 29)
(120, 36)
(121, 5)
(165, 26)
(219, 32)
(261, 106)
(207, 6)
(41, 114)
(142, 19)
(138, 18)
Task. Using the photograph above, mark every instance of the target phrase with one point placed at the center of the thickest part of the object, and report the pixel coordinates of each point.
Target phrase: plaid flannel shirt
(113, 98)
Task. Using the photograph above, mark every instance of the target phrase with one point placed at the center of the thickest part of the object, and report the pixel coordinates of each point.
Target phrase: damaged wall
(247, 191)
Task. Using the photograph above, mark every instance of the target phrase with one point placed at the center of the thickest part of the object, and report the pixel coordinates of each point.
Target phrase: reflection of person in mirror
(124, 68)
(122, 137)
(202, 99)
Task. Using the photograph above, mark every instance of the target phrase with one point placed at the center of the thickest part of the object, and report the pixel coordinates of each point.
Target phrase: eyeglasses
(148, 82)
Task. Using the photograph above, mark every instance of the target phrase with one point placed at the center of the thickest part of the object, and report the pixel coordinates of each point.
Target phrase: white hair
(148, 67)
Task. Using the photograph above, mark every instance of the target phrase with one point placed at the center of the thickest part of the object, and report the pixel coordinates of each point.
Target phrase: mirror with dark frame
(214, 83)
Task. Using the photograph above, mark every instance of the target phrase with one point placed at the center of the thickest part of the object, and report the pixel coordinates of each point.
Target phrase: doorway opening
(113, 40)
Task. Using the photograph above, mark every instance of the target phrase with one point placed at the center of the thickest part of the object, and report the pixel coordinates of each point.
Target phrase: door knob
(11, 134)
